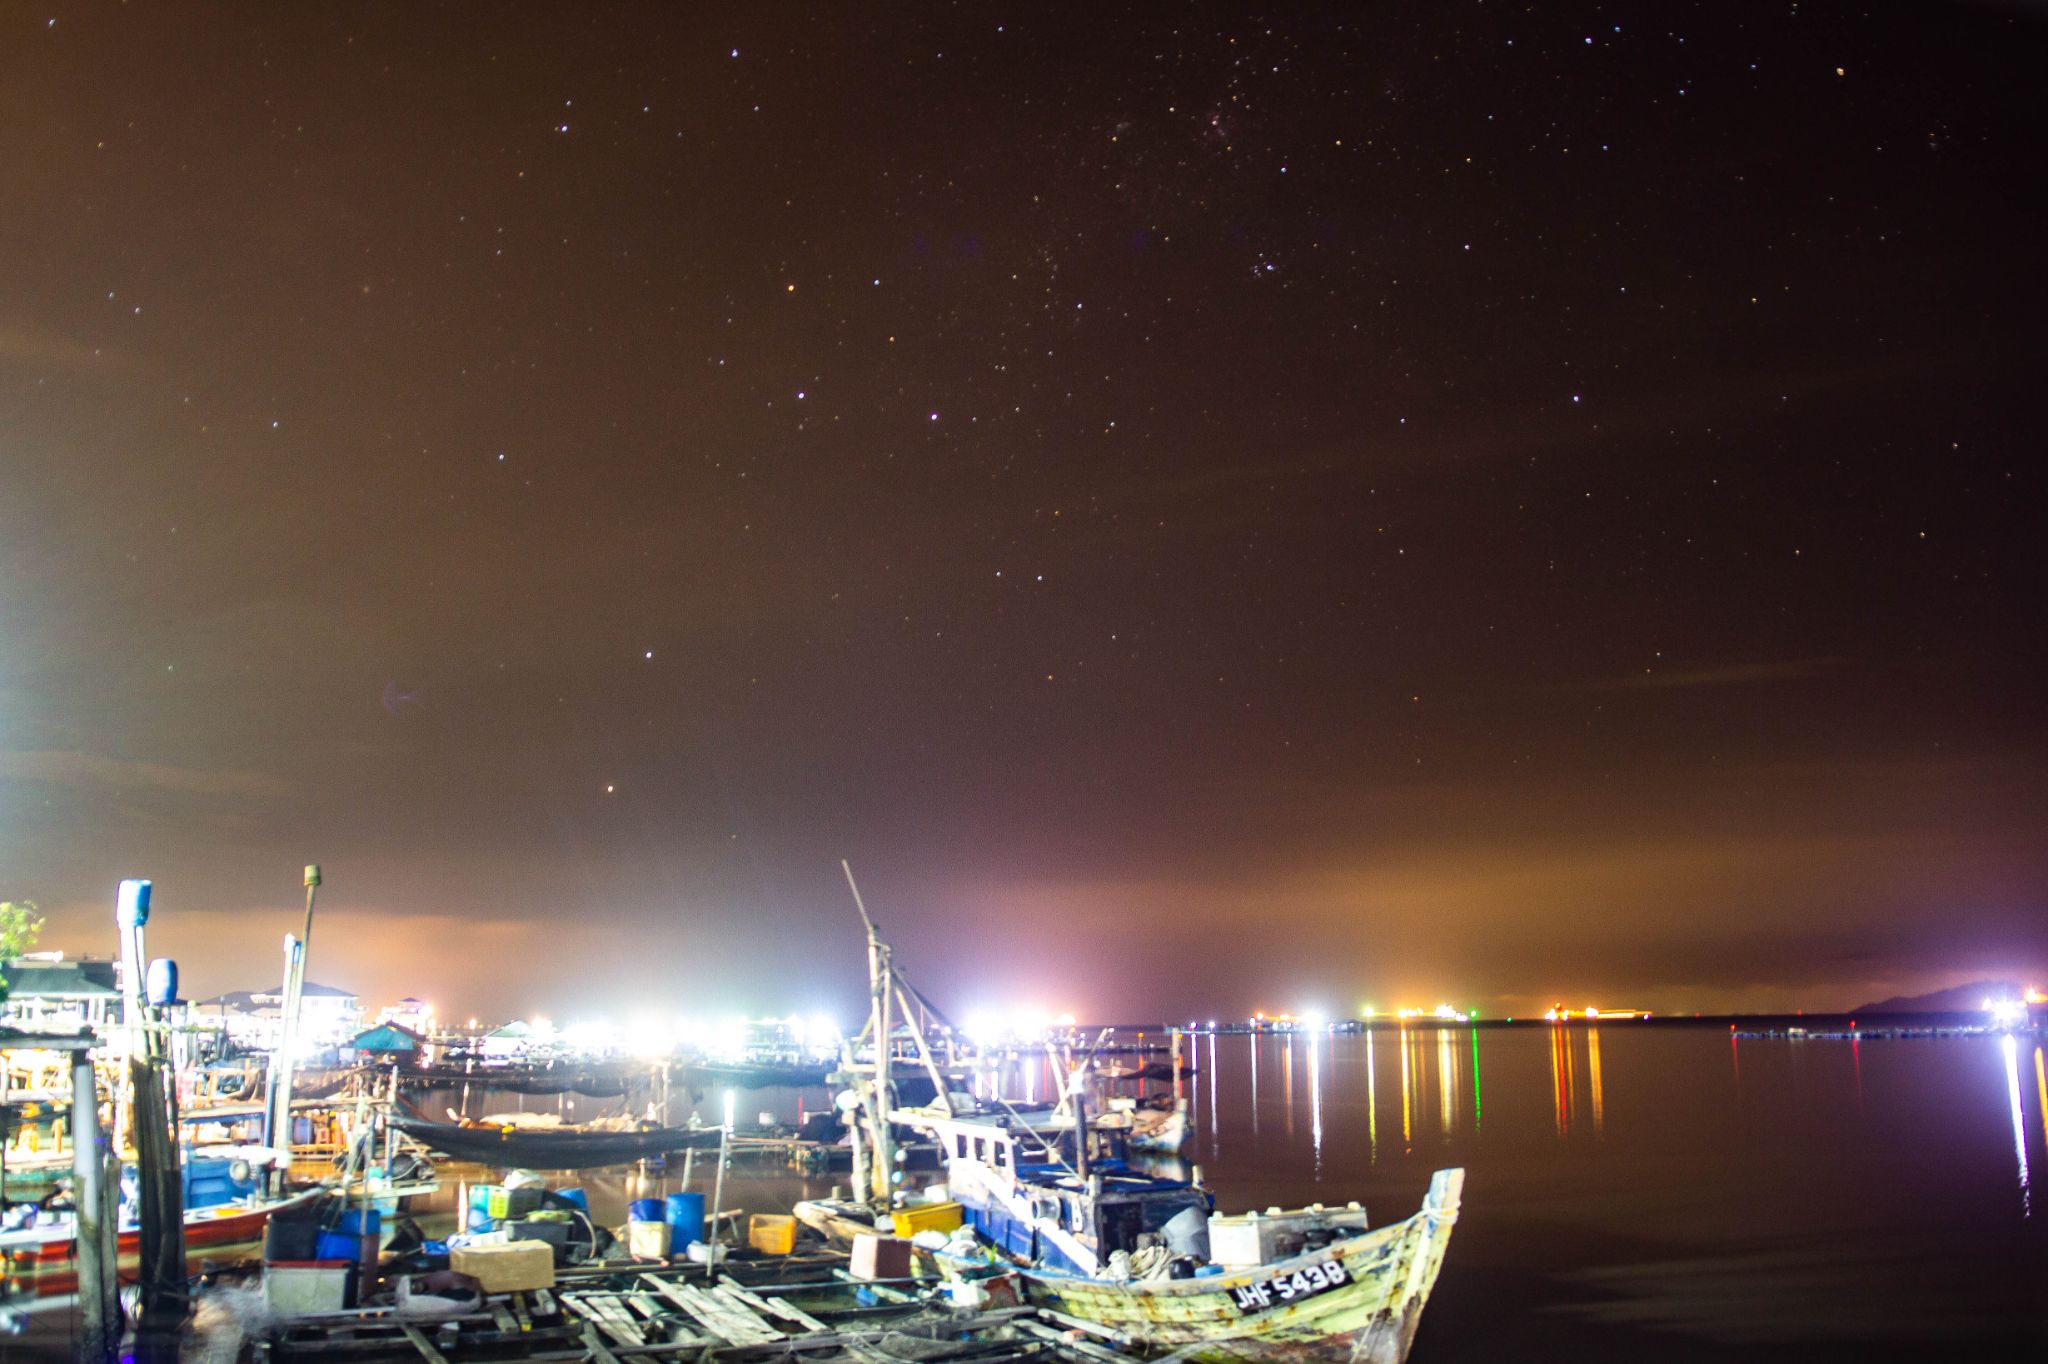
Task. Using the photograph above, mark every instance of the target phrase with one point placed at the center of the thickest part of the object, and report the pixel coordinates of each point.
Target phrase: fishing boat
(1143, 1259)
(553, 1148)
(42, 1259)
(751, 1074)
(1146, 1259)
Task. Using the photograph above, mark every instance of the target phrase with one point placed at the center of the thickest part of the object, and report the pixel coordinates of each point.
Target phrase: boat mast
(881, 1095)
(288, 1038)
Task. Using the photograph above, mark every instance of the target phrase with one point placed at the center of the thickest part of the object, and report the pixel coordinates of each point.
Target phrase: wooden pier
(621, 1312)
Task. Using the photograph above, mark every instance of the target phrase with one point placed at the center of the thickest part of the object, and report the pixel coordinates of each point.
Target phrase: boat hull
(543, 1149)
(1371, 1318)
(50, 1269)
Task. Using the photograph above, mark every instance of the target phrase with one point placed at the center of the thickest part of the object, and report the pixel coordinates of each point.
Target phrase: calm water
(1632, 1193)
(1668, 1193)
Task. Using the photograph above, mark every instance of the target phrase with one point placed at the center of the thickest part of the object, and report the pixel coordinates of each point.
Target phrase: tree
(20, 925)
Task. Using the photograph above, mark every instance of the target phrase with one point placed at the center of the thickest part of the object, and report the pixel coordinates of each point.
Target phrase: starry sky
(1207, 508)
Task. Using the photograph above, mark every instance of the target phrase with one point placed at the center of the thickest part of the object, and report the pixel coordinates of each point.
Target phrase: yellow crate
(771, 1233)
(929, 1217)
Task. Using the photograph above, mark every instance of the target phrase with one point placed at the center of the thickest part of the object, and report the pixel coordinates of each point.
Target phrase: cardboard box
(513, 1267)
(880, 1257)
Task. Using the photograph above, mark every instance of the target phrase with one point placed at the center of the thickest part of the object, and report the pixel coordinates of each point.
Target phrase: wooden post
(94, 1234)
(1080, 1093)
(718, 1188)
(881, 1095)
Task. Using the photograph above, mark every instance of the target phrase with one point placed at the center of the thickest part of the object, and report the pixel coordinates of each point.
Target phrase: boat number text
(1282, 1288)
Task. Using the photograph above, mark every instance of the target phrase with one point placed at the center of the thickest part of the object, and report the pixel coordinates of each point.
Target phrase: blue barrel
(574, 1197)
(354, 1220)
(685, 1221)
(644, 1210)
(160, 982)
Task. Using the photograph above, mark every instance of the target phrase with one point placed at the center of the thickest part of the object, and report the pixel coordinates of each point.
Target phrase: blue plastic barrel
(685, 1215)
(644, 1210)
(574, 1196)
(352, 1221)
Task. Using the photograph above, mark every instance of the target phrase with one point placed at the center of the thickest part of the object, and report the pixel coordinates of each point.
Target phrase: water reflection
(2041, 1087)
(1372, 1100)
(1254, 1041)
(1287, 1082)
(1593, 1080)
(1560, 1077)
(1475, 1082)
(1407, 1099)
(2011, 1045)
(1315, 1102)
(1446, 1081)
(1214, 1107)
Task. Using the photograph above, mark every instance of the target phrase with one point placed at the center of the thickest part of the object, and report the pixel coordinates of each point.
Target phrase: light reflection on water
(2011, 1046)
(1625, 1178)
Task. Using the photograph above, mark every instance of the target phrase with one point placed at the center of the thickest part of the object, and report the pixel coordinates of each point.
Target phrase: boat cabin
(1023, 1195)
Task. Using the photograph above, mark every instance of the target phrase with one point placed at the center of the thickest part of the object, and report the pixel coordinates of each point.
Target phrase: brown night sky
(1208, 511)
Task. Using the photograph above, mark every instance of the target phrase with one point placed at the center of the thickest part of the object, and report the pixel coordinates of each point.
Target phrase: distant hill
(1955, 999)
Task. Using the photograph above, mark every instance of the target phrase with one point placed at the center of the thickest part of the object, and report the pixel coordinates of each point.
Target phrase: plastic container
(332, 1245)
(292, 1235)
(684, 1213)
(771, 1233)
(929, 1217)
(644, 1210)
(574, 1198)
(647, 1240)
(509, 1202)
(297, 1287)
(357, 1222)
(554, 1233)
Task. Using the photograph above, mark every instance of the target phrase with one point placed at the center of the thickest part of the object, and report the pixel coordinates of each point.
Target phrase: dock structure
(623, 1312)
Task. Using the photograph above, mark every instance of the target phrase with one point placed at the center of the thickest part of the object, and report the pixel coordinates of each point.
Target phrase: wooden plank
(420, 1343)
(771, 1307)
(594, 1314)
(722, 1317)
(625, 1329)
(596, 1347)
(1070, 1345)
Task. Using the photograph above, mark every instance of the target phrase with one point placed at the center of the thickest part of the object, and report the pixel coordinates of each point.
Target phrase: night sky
(1208, 509)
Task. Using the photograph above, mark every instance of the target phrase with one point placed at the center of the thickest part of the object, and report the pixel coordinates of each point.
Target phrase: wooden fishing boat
(43, 1261)
(1099, 1241)
(1357, 1299)
(553, 1148)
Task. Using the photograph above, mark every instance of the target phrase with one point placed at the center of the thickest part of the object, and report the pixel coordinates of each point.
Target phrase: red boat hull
(51, 1269)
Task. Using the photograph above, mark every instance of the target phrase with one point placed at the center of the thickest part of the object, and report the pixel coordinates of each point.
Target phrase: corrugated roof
(28, 978)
